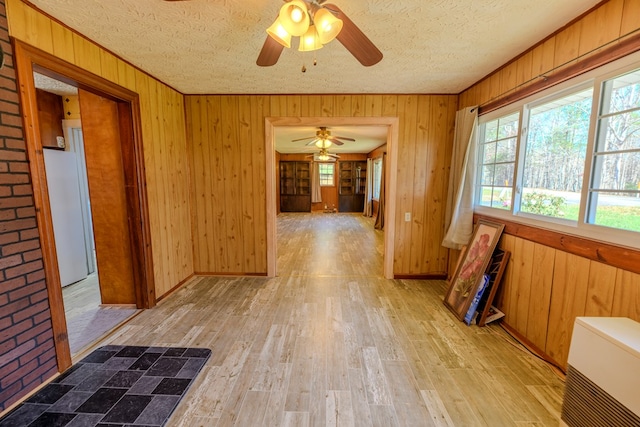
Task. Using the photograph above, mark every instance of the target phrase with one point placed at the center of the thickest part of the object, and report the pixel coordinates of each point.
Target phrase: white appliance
(66, 214)
(603, 377)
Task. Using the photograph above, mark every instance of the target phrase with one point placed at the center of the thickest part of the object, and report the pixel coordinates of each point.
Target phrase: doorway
(392, 125)
(115, 179)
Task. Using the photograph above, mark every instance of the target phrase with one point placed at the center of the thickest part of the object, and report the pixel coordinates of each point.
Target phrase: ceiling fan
(317, 24)
(324, 156)
(323, 138)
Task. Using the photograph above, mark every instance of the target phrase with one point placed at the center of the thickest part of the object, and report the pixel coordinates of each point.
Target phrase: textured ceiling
(210, 46)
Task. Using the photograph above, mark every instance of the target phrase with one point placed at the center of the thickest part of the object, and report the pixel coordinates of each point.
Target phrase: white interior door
(66, 213)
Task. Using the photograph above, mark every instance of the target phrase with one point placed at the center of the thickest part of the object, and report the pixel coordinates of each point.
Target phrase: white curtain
(459, 210)
(316, 194)
(368, 195)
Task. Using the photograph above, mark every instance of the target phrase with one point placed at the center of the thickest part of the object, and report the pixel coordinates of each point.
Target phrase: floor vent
(586, 405)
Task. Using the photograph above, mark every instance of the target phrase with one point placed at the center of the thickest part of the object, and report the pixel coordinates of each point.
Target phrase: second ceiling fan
(324, 139)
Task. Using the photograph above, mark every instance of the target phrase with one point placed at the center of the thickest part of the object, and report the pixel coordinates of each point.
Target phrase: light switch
(407, 216)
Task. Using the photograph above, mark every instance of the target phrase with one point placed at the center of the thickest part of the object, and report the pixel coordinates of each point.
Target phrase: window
(554, 155)
(326, 174)
(498, 139)
(615, 183)
(377, 178)
(568, 158)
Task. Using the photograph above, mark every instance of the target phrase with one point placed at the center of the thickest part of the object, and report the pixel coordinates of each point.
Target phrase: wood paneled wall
(163, 134)
(226, 146)
(544, 289)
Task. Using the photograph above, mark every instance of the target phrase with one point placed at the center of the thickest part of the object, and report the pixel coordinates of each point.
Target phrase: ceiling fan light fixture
(295, 17)
(328, 26)
(323, 143)
(277, 32)
(310, 40)
(323, 157)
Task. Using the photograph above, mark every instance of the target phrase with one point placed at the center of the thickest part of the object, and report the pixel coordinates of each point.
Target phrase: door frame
(391, 169)
(27, 60)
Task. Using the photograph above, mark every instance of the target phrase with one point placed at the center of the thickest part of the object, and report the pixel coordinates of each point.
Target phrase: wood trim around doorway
(27, 59)
(392, 123)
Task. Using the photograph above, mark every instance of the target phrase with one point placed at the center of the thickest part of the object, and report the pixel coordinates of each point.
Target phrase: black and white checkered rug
(114, 386)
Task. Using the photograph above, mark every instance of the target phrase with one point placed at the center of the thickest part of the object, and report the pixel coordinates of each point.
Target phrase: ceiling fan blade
(354, 39)
(302, 139)
(335, 141)
(345, 138)
(270, 53)
(313, 141)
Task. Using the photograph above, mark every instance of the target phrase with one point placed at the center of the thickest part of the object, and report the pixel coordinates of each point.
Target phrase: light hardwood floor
(329, 342)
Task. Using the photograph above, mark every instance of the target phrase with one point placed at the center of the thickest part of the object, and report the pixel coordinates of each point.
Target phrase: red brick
(32, 333)
(10, 261)
(45, 316)
(45, 336)
(22, 190)
(15, 353)
(36, 374)
(31, 355)
(7, 83)
(16, 144)
(12, 155)
(47, 356)
(29, 234)
(4, 299)
(21, 372)
(26, 212)
(10, 119)
(7, 214)
(19, 224)
(32, 255)
(35, 276)
(16, 308)
(13, 284)
(5, 191)
(9, 107)
(31, 311)
(19, 167)
(16, 202)
(8, 95)
(26, 291)
(41, 295)
(17, 329)
(5, 322)
(11, 394)
(20, 247)
(25, 268)
(4, 167)
(10, 178)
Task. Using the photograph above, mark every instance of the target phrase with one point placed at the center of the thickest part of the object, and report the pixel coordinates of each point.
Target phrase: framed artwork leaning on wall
(471, 267)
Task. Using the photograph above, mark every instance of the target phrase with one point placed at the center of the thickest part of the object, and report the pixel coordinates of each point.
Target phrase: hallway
(330, 342)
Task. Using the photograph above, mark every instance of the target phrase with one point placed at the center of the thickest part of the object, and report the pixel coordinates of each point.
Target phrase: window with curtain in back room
(326, 174)
(377, 178)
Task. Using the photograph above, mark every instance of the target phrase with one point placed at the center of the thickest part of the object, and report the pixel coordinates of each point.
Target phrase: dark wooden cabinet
(295, 186)
(352, 184)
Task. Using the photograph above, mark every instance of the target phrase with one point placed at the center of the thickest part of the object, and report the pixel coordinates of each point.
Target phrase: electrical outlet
(407, 216)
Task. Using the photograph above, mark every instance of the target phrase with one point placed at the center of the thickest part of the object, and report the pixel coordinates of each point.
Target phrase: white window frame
(581, 228)
(377, 178)
(333, 174)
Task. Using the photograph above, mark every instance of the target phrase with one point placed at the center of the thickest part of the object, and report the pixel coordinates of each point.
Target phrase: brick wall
(27, 353)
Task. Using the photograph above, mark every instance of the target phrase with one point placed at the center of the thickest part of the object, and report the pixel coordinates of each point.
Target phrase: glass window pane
(618, 210)
(624, 93)
(508, 126)
(491, 131)
(617, 171)
(487, 175)
(489, 153)
(506, 150)
(622, 132)
(502, 198)
(555, 154)
(503, 175)
(486, 196)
